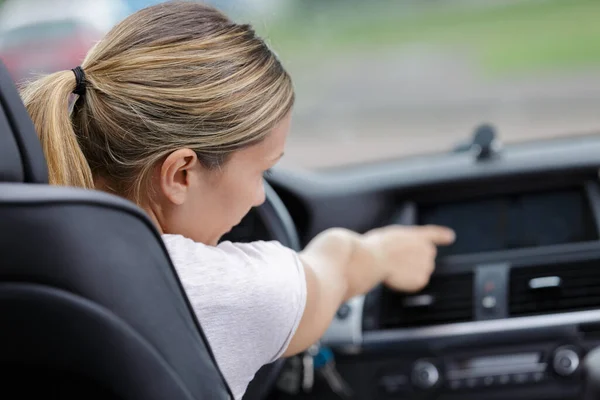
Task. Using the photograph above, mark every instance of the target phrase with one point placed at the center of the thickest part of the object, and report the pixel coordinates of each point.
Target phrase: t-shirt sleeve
(248, 297)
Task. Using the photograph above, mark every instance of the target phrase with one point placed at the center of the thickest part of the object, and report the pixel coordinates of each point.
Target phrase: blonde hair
(171, 76)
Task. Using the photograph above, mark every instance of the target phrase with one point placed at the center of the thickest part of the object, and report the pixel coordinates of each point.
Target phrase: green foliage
(516, 36)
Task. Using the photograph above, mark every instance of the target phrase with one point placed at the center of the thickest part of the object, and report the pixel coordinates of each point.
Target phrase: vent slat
(579, 289)
(453, 303)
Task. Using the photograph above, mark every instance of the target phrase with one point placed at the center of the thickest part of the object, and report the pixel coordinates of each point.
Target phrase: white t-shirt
(248, 297)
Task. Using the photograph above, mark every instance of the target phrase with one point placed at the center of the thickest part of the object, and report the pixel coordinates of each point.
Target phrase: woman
(182, 111)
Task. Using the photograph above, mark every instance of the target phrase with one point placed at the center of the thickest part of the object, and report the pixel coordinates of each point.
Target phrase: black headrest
(21, 155)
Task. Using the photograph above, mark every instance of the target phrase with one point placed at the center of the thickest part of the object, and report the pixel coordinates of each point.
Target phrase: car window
(384, 79)
(380, 79)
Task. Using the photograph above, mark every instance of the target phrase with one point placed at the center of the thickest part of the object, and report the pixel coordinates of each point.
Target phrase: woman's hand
(340, 264)
(407, 254)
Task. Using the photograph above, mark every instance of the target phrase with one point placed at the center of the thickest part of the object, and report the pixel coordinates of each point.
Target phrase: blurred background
(378, 79)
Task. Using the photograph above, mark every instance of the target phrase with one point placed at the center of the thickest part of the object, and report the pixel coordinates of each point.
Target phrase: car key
(325, 364)
(308, 367)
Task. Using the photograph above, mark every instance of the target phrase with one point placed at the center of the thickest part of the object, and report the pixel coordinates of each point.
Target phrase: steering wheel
(276, 224)
(277, 220)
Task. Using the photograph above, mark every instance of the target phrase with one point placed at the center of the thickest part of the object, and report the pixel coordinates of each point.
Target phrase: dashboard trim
(482, 327)
(347, 330)
(564, 155)
(518, 257)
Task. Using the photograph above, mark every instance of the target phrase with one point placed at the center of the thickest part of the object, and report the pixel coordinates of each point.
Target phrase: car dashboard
(514, 303)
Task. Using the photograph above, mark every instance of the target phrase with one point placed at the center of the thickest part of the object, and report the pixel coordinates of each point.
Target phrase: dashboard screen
(514, 221)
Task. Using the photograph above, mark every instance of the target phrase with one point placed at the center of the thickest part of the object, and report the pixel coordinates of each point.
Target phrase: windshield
(380, 79)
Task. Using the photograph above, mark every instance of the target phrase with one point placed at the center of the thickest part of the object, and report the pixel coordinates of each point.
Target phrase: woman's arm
(340, 264)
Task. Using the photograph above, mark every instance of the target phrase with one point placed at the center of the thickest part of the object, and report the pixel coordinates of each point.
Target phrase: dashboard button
(488, 381)
(489, 302)
(456, 384)
(472, 382)
(538, 376)
(520, 378)
(490, 291)
(394, 384)
(344, 311)
(566, 361)
(425, 375)
(503, 379)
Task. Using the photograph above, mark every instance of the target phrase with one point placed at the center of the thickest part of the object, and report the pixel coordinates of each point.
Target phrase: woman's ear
(174, 175)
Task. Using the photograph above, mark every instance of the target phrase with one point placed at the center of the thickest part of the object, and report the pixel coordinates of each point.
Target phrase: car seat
(90, 304)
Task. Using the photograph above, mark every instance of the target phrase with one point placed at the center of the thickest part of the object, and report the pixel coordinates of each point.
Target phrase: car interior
(513, 308)
(94, 309)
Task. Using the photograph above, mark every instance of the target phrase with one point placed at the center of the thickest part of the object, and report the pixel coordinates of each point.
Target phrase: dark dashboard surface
(514, 221)
(521, 283)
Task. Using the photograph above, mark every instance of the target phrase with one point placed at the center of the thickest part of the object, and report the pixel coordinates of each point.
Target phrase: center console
(511, 311)
(469, 375)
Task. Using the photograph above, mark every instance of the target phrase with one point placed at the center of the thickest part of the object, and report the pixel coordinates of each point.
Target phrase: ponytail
(47, 101)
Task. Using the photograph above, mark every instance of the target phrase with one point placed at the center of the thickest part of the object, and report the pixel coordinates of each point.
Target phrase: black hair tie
(79, 81)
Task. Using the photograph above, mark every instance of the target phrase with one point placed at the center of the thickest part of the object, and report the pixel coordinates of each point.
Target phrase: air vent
(555, 288)
(445, 300)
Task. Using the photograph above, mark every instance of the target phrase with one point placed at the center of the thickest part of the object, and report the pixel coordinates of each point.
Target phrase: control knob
(425, 375)
(566, 361)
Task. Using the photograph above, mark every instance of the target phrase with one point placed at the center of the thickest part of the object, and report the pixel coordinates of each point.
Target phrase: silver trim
(421, 300)
(347, 331)
(502, 360)
(479, 327)
(545, 282)
(508, 369)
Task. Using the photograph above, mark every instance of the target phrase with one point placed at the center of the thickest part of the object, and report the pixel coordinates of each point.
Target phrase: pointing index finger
(439, 235)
